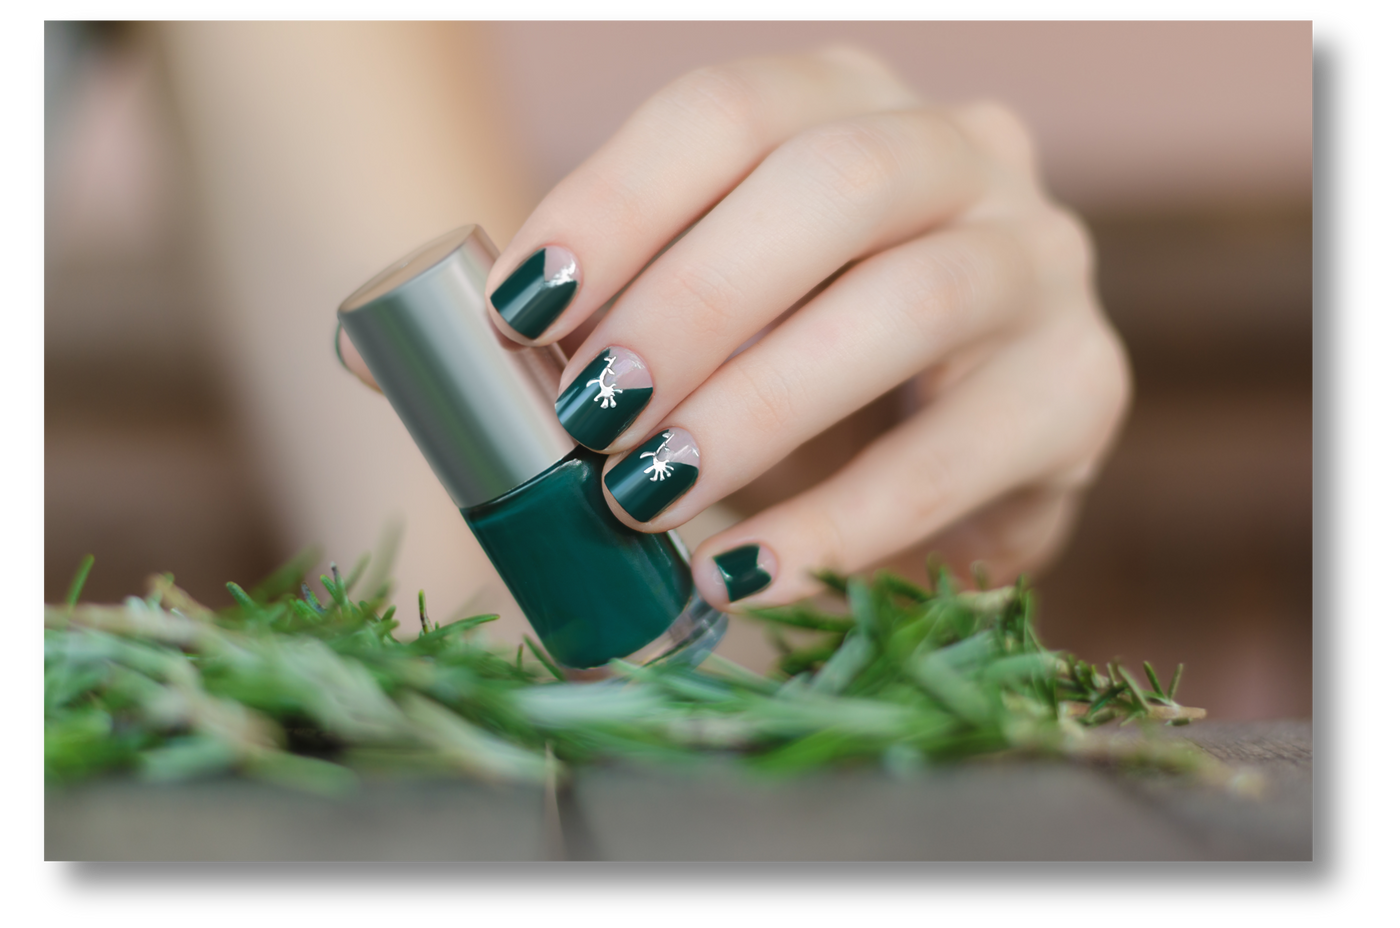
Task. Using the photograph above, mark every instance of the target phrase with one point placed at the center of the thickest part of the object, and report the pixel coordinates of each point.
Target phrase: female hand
(848, 238)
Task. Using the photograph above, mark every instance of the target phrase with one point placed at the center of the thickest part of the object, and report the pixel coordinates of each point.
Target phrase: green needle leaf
(310, 599)
(544, 659)
(1139, 700)
(850, 659)
(803, 617)
(75, 588)
(1152, 678)
(308, 694)
(244, 601)
(1104, 699)
(832, 581)
(334, 587)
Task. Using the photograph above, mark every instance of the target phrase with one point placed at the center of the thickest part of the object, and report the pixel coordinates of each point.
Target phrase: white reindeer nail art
(660, 468)
(638, 486)
(593, 408)
(560, 267)
(607, 392)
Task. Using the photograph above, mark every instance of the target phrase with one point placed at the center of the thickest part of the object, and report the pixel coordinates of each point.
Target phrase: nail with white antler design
(605, 398)
(656, 474)
(537, 292)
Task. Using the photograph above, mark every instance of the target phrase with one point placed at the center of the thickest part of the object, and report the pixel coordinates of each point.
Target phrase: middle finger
(821, 200)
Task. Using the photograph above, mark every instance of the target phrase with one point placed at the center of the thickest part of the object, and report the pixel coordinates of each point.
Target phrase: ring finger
(1037, 414)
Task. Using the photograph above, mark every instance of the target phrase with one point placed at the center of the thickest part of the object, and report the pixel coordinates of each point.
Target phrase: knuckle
(852, 55)
(930, 493)
(770, 400)
(1103, 381)
(1117, 374)
(707, 299)
(614, 202)
(1064, 246)
(938, 292)
(854, 165)
(1002, 132)
(858, 60)
(719, 96)
(1074, 391)
(1104, 388)
(934, 293)
(856, 66)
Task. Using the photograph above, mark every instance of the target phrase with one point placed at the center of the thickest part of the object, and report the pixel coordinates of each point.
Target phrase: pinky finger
(1011, 536)
(1038, 414)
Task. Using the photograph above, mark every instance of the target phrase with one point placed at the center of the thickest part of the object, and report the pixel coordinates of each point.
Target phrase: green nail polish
(656, 474)
(605, 399)
(538, 291)
(740, 571)
(593, 588)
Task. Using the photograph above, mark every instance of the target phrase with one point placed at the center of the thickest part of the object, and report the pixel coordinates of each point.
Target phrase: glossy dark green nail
(539, 290)
(605, 399)
(656, 474)
(741, 572)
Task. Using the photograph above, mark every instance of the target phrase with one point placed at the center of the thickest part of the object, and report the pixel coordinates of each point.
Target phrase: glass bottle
(481, 409)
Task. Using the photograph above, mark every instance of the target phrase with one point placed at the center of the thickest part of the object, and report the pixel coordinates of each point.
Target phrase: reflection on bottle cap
(479, 406)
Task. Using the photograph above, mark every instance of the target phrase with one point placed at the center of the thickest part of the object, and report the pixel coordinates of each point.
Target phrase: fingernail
(655, 474)
(605, 399)
(535, 293)
(745, 570)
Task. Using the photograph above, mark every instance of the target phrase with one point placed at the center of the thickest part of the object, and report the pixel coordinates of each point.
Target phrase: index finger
(677, 156)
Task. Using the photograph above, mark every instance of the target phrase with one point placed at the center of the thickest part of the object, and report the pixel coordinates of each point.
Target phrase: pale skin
(956, 271)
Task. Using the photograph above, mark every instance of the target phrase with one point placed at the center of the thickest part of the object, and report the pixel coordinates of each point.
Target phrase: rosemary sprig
(75, 589)
(286, 687)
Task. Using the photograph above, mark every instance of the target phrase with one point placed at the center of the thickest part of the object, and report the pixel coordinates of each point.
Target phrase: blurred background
(214, 190)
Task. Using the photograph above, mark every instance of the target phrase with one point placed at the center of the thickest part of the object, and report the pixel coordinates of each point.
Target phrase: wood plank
(1274, 825)
(236, 820)
(715, 810)
(1284, 743)
(976, 811)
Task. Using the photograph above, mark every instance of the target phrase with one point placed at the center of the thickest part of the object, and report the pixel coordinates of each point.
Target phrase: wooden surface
(1020, 810)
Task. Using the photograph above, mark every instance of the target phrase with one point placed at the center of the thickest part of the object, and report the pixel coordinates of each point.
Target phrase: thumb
(350, 358)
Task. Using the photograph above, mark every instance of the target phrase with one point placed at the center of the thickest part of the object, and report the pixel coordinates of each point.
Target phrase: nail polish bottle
(481, 409)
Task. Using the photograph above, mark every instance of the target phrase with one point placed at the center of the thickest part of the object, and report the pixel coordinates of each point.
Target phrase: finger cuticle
(538, 291)
(655, 474)
(605, 398)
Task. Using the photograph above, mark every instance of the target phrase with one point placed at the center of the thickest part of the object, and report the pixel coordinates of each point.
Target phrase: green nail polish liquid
(610, 593)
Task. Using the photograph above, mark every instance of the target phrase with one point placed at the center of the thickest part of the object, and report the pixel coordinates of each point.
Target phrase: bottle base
(688, 641)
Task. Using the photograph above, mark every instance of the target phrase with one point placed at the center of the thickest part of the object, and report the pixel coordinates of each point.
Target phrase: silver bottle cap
(480, 407)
